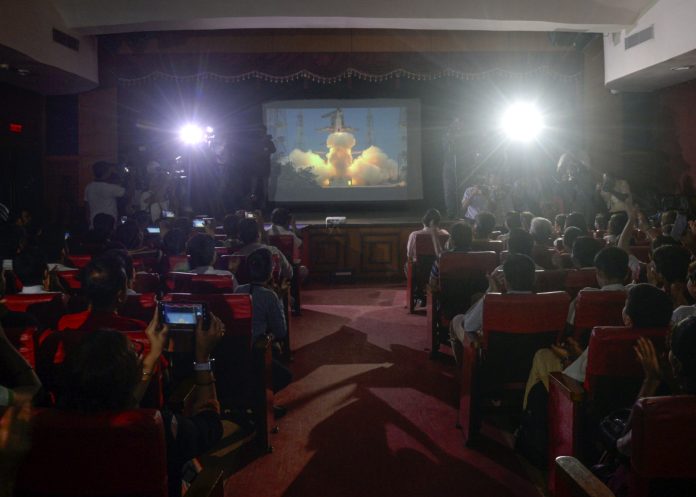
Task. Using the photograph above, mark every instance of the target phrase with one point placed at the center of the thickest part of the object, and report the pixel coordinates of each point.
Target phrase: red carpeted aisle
(370, 414)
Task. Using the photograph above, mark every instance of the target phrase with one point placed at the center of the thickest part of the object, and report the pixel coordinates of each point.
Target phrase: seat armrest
(577, 480)
(567, 387)
(565, 408)
(208, 483)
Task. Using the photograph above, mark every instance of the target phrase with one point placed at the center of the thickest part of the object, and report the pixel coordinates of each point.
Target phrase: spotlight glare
(191, 134)
(522, 122)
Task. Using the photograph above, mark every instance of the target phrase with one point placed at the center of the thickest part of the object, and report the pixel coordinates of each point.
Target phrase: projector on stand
(332, 221)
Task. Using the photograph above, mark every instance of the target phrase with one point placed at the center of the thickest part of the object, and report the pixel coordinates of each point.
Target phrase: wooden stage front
(370, 249)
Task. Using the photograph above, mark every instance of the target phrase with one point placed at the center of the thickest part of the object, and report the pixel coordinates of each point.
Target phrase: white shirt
(478, 203)
(101, 197)
(683, 312)
(33, 289)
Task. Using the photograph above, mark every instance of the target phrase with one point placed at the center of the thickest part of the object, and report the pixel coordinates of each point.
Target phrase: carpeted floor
(371, 414)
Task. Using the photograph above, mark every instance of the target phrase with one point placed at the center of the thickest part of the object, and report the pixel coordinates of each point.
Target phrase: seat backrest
(147, 260)
(234, 309)
(424, 244)
(603, 308)
(47, 308)
(515, 326)
(488, 245)
(146, 283)
(550, 280)
(286, 244)
(614, 374)
(462, 276)
(141, 306)
(663, 438)
(577, 279)
(210, 283)
(70, 279)
(104, 454)
(80, 261)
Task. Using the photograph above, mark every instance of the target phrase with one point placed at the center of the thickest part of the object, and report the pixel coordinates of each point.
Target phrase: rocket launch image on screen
(349, 150)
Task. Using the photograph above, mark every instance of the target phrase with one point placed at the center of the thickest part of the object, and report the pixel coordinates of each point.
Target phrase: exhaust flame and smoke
(371, 168)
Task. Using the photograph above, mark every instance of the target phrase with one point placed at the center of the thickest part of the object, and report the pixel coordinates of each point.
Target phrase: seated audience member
(283, 223)
(682, 368)
(669, 270)
(231, 227)
(518, 277)
(512, 221)
(559, 225)
(99, 235)
(129, 235)
(52, 246)
(520, 243)
(431, 222)
(526, 219)
(542, 231)
(268, 315)
(201, 252)
(612, 269)
(460, 240)
(617, 222)
(584, 251)
(105, 285)
(126, 262)
(484, 226)
(104, 373)
(646, 307)
(250, 237)
(174, 244)
(31, 270)
(578, 220)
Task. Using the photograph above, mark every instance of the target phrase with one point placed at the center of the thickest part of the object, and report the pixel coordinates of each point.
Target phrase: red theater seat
(70, 280)
(597, 309)
(462, 276)
(612, 381)
(80, 261)
(514, 327)
(488, 245)
(243, 366)
(105, 454)
(147, 261)
(418, 268)
(24, 340)
(47, 308)
(577, 279)
(663, 443)
(146, 283)
(198, 283)
(550, 280)
(141, 306)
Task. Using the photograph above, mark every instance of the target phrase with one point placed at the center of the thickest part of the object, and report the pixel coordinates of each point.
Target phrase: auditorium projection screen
(345, 150)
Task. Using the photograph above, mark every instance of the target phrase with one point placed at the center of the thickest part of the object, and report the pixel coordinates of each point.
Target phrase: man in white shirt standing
(101, 194)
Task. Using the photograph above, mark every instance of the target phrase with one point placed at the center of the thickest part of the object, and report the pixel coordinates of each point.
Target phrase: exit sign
(16, 128)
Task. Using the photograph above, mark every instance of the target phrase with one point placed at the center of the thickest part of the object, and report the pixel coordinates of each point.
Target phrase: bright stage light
(191, 134)
(522, 122)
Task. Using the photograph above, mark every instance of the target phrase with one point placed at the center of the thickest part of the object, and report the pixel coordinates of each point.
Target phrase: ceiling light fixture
(682, 68)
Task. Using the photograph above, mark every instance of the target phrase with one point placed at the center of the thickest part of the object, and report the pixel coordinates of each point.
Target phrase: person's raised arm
(205, 394)
(157, 336)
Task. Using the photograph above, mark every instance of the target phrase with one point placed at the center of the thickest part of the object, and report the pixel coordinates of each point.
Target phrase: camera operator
(102, 194)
